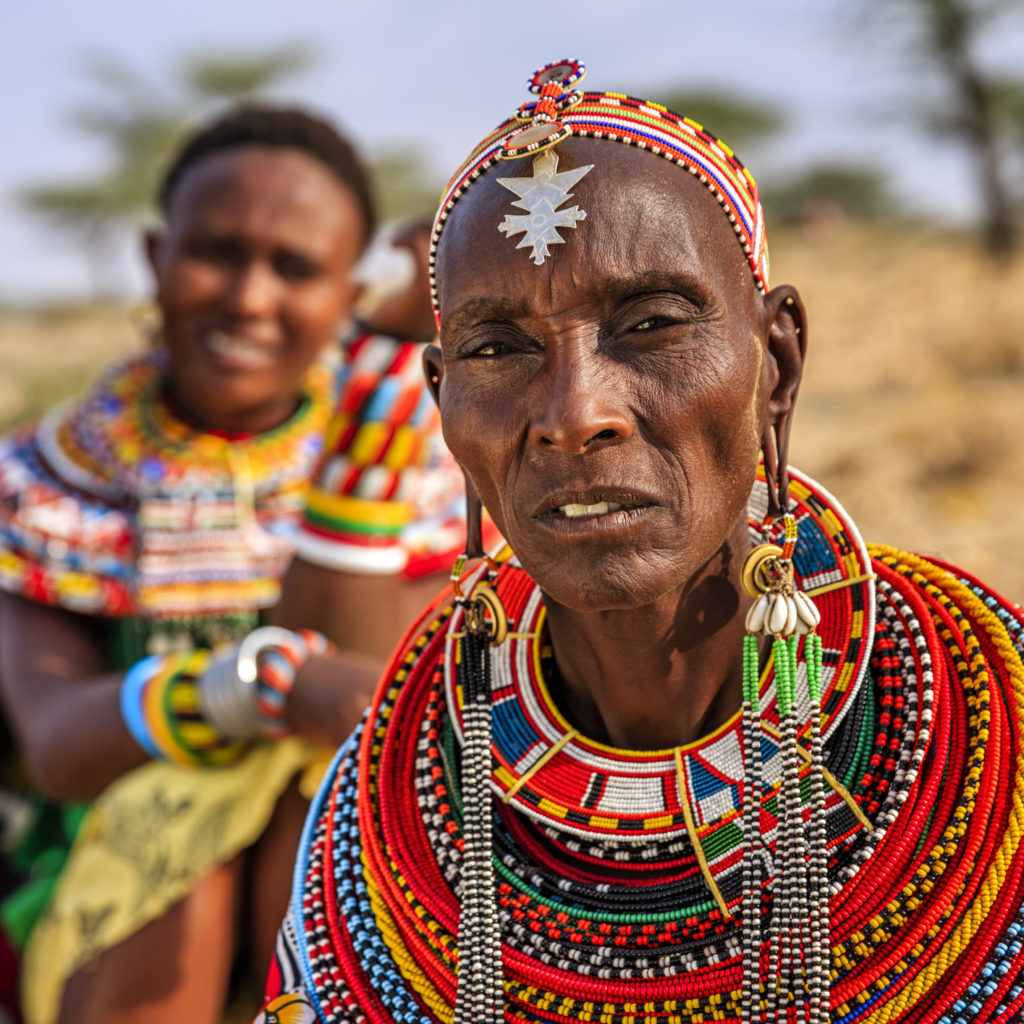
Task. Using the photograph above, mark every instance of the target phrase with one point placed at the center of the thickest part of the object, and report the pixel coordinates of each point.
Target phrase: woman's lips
(600, 508)
(239, 352)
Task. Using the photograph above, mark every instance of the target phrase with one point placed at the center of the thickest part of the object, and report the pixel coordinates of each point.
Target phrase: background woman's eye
(294, 267)
(222, 251)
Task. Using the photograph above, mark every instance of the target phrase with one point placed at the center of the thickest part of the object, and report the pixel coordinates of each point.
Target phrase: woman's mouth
(583, 511)
(238, 351)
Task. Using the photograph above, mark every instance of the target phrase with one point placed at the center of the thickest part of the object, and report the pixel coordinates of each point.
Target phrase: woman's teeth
(575, 511)
(224, 344)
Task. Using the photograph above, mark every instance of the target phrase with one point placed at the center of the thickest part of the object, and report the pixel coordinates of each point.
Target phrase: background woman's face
(609, 404)
(252, 278)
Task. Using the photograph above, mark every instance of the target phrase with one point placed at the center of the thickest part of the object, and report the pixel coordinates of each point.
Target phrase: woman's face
(609, 404)
(252, 280)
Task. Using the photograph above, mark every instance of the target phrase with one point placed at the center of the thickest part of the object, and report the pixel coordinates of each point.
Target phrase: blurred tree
(830, 192)
(981, 108)
(140, 125)
(405, 189)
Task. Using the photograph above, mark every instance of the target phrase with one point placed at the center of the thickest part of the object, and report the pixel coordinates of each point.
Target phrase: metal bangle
(226, 700)
(227, 689)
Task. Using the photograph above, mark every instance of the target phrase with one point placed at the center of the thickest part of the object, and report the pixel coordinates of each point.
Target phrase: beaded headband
(561, 112)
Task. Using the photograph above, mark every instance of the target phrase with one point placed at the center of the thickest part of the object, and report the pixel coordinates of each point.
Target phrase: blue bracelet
(132, 688)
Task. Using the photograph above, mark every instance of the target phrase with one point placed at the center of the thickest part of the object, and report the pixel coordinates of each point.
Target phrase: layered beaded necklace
(604, 907)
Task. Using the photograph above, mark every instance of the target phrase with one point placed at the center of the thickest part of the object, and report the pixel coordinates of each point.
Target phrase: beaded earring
(798, 933)
(148, 321)
(480, 996)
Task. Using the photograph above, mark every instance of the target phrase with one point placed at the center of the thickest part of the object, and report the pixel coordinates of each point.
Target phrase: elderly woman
(686, 750)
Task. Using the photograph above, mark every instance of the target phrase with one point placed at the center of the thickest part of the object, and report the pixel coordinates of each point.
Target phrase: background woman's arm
(62, 700)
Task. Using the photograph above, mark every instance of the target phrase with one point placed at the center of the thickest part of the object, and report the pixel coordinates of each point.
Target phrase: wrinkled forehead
(585, 215)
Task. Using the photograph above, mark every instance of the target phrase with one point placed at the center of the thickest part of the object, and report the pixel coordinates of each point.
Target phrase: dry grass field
(911, 410)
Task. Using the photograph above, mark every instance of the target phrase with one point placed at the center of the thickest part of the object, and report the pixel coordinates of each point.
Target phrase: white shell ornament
(779, 608)
(758, 614)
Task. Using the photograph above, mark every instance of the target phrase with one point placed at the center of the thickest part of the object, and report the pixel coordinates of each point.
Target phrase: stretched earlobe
(787, 344)
(433, 370)
(770, 458)
(474, 520)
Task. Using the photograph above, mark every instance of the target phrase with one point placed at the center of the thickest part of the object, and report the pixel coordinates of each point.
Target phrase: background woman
(158, 514)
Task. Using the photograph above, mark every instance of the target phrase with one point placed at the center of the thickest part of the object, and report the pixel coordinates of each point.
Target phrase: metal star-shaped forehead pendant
(540, 197)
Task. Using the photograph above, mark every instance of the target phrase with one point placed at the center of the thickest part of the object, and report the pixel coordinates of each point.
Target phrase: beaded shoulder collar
(122, 442)
(112, 505)
(548, 771)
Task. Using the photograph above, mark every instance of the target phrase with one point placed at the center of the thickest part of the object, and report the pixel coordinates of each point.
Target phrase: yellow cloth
(149, 837)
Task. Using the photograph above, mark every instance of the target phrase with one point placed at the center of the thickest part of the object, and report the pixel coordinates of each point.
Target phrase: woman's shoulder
(66, 532)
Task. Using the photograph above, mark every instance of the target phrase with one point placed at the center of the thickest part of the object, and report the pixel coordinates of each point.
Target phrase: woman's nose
(253, 290)
(583, 406)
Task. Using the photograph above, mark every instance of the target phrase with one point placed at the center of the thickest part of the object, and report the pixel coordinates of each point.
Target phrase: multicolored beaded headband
(560, 112)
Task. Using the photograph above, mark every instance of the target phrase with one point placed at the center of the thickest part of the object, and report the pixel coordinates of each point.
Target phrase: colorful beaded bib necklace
(113, 505)
(601, 858)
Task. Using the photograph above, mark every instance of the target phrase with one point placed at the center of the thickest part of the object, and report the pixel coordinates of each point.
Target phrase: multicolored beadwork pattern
(600, 923)
(387, 496)
(112, 505)
(649, 126)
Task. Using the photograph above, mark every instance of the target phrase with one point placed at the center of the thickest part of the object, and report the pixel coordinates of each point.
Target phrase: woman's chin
(606, 586)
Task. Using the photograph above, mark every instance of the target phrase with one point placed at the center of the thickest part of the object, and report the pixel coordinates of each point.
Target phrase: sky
(434, 75)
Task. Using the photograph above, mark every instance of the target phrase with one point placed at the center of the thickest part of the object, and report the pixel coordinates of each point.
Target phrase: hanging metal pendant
(540, 195)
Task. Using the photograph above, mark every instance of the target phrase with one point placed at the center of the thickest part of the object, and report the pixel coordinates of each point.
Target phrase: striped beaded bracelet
(277, 664)
(161, 709)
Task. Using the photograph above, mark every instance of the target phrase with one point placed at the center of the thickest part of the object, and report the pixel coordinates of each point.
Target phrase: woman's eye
(488, 349)
(650, 323)
(214, 250)
(293, 267)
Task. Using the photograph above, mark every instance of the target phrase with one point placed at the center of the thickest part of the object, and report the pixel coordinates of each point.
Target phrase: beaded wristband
(276, 665)
(243, 692)
(132, 687)
(160, 706)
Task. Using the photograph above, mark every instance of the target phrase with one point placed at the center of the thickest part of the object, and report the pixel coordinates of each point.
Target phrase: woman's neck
(233, 426)
(658, 676)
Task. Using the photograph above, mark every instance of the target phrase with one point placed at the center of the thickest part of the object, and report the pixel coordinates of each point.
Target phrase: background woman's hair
(283, 128)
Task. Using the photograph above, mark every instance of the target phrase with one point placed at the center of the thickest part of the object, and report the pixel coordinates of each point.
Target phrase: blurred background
(887, 136)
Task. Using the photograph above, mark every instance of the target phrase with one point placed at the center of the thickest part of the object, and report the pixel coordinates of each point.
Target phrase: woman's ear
(787, 345)
(151, 241)
(433, 369)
